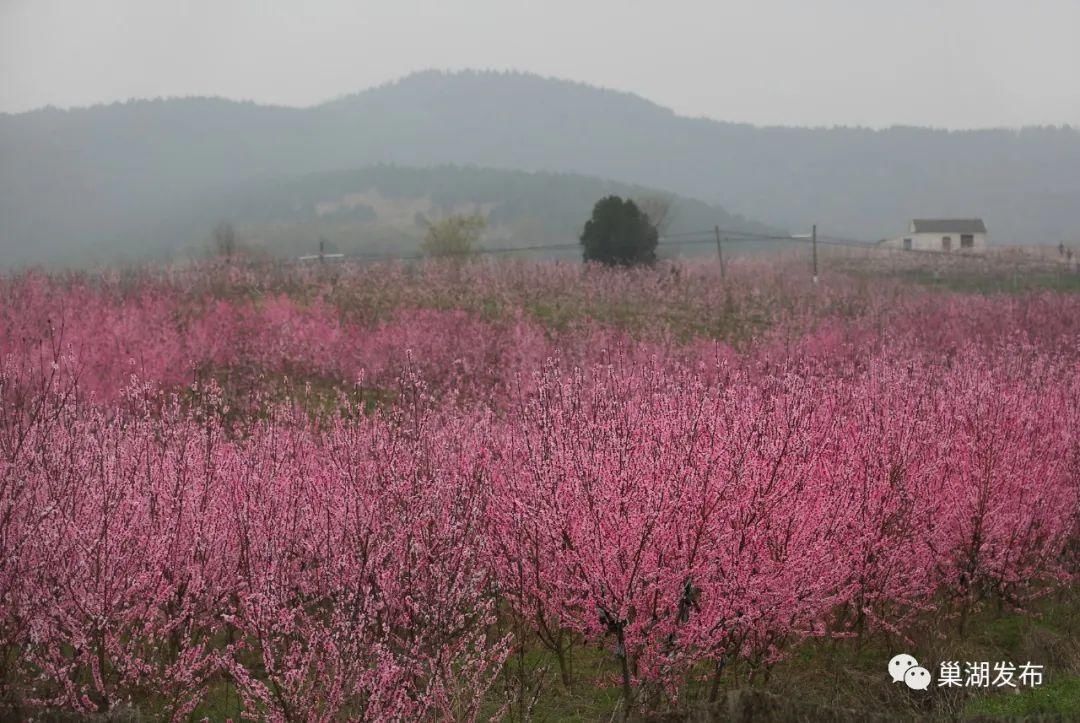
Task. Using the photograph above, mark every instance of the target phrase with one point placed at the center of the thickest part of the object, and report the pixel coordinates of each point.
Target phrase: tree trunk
(624, 659)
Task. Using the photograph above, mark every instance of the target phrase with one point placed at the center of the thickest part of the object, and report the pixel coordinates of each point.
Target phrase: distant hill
(120, 176)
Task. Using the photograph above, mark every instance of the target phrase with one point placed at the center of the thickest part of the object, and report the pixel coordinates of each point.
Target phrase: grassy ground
(1004, 283)
(842, 679)
(981, 281)
(824, 680)
(852, 676)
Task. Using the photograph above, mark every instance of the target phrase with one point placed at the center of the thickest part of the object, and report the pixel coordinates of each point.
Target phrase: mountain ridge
(343, 99)
(88, 178)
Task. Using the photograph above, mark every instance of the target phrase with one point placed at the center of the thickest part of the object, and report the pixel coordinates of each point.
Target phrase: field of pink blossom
(368, 492)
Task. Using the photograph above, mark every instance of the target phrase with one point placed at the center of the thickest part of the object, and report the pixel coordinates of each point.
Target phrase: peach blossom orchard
(357, 492)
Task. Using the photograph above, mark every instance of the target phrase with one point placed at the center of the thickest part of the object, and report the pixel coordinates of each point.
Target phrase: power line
(377, 256)
(695, 238)
(682, 239)
(728, 235)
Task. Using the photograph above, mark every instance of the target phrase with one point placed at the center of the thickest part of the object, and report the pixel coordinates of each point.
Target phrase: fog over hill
(384, 209)
(139, 177)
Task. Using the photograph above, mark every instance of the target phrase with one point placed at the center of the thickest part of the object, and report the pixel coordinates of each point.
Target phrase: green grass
(846, 679)
(587, 699)
(221, 702)
(980, 283)
(822, 680)
(827, 680)
(1057, 697)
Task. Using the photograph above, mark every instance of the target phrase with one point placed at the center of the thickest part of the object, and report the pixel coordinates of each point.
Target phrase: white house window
(967, 241)
(946, 243)
(907, 244)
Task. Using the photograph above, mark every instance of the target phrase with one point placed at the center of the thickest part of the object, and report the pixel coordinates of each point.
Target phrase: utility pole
(720, 252)
(813, 242)
(322, 250)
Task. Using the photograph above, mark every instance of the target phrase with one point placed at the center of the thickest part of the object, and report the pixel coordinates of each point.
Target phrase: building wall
(933, 242)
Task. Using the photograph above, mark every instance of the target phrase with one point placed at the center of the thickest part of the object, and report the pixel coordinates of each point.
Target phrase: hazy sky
(952, 63)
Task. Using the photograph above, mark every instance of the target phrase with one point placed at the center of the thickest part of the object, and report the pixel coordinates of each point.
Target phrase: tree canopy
(456, 235)
(619, 234)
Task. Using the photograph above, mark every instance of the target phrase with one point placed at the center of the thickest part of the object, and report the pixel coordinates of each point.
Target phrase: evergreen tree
(619, 233)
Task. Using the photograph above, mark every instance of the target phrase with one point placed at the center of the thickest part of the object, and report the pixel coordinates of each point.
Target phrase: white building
(942, 234)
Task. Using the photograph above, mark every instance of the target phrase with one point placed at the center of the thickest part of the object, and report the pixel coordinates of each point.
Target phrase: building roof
(949, 225)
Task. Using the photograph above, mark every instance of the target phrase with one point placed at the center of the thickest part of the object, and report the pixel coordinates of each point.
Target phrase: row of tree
(620, 232)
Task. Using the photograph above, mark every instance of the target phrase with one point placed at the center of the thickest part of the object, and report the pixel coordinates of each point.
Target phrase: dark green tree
(619, 234)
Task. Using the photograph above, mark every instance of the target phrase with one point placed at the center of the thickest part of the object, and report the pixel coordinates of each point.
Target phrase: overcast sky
(950, 63)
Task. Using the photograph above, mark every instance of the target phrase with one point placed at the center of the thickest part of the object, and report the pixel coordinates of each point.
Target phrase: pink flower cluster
(866, 461)
(325, 571)
(684, 521)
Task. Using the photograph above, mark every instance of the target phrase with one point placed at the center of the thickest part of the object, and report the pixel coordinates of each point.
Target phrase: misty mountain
(126, 176)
